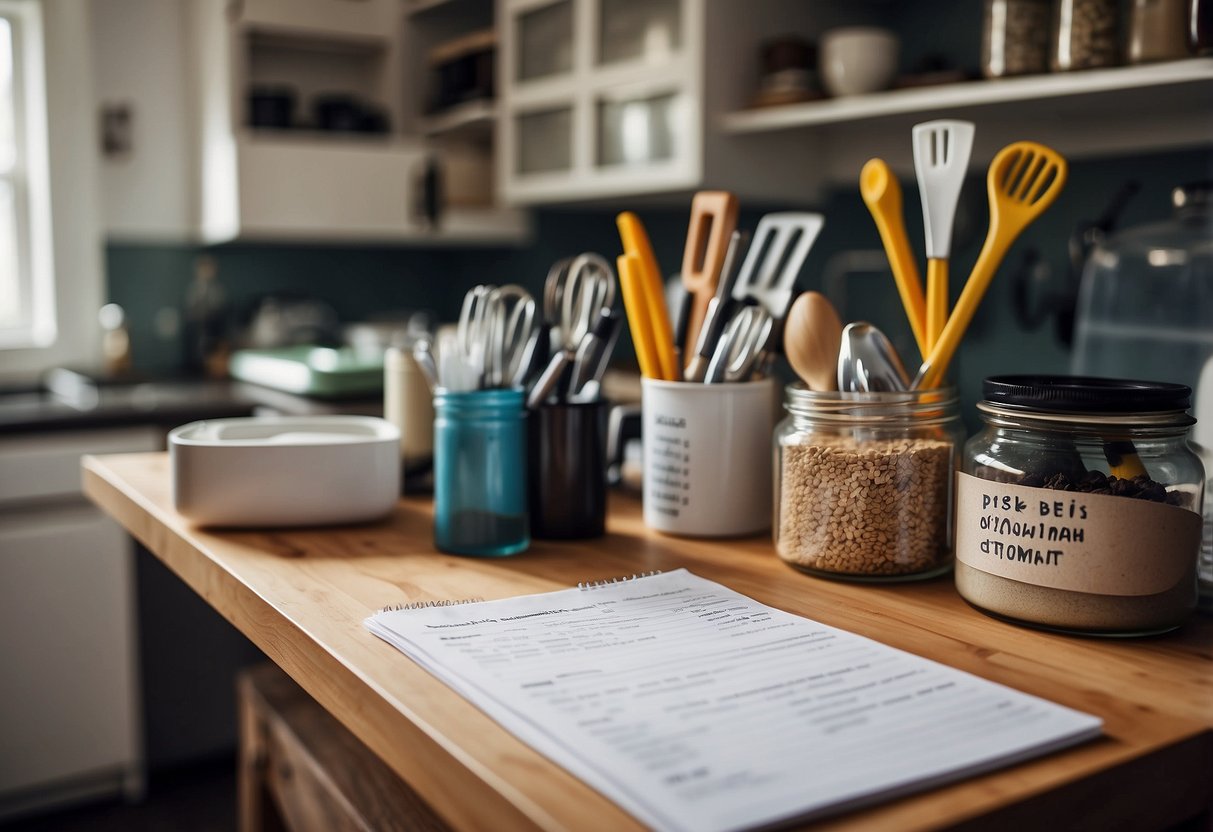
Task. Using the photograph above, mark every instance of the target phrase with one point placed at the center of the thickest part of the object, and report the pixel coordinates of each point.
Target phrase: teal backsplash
(366, 281)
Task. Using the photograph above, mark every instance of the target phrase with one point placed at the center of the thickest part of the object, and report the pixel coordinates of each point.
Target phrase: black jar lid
(1086, 394)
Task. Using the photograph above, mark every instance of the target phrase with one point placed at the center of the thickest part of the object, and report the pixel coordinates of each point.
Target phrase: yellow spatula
(882, 193)
(636, 244)
(1024, 179)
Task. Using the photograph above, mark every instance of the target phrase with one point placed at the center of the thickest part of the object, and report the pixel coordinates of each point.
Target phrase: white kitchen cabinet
(146, 183)
(618, 98)
(69, 710)
(196, 169)
(624, 99)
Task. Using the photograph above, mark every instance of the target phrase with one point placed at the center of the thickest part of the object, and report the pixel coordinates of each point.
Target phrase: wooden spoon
(812, 337)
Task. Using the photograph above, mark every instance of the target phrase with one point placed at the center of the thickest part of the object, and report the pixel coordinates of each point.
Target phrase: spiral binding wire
(620, 579)
(423, 605)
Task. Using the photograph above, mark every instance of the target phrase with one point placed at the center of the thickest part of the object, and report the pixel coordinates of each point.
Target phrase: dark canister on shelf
(1015, 37)
(1078, 505)
(1086, 34)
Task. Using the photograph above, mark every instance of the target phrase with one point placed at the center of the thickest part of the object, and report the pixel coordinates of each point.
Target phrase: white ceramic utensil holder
(707, 457)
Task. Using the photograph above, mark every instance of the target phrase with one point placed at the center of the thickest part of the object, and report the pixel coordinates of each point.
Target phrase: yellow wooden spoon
(882, 193)
(1024, 179)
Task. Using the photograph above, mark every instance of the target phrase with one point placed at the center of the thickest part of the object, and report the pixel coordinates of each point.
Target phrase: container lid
(1086, 394)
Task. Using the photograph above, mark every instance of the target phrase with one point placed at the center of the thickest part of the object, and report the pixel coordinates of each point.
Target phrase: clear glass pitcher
(1145, 304)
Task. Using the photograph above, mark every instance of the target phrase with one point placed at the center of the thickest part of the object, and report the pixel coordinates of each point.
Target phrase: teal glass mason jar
(480, 495)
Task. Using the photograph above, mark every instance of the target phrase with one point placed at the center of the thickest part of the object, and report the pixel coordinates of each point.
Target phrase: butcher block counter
(301, 595)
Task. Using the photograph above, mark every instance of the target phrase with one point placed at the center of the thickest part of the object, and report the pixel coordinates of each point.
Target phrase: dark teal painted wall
(361, 282)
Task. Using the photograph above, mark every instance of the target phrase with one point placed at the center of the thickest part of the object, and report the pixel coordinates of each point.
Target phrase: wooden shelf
(1103, 112)
(1141, 82)
(420, 7)
(472, 118)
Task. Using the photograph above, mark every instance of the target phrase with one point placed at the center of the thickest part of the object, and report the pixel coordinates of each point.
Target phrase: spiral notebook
(696, 708)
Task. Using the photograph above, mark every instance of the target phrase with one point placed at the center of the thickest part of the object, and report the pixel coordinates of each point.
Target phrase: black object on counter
(567, 476)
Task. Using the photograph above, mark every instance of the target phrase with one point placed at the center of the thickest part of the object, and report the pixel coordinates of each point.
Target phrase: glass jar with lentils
(864, 483)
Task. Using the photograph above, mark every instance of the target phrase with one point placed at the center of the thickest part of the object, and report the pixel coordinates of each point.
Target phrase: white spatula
(941, 158)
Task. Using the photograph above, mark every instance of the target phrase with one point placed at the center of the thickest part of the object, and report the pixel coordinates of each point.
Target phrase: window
(26, 293)
(51, 274)
(13, 294)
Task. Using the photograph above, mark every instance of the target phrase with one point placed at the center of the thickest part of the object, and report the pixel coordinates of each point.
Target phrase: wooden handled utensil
(941, 159)
(1023, 181)
(812, 337)
(882, 193)
(713, 220)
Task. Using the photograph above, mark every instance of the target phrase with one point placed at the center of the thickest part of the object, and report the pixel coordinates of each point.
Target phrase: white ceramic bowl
(858, 59)
(285, 470)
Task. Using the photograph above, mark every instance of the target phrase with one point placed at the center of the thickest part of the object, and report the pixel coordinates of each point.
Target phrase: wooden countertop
(301, 596)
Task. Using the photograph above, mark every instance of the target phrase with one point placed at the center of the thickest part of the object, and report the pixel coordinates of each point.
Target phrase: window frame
(37, 315)
(60, 191)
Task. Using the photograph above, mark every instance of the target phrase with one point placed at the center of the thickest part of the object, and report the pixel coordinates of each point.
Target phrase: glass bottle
(1079, 505)
(480, 488)
(1158, 30)
(864, 483)
(1200, 27)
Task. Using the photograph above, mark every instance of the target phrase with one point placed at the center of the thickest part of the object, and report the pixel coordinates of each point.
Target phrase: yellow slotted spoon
(1023, 181)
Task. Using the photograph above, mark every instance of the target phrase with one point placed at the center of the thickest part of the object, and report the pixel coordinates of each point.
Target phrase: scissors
(510, 334)
(575, 295)
(742, 346)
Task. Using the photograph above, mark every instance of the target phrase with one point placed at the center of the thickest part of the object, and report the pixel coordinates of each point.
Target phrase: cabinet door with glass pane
(600, 98)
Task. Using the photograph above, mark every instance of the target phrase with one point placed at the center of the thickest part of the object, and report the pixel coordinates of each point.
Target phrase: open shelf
(421, 7)
(1138, 82)
(1104, 112)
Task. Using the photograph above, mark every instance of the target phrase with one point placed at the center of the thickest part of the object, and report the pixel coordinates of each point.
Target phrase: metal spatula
(941, 158)
(778, 251)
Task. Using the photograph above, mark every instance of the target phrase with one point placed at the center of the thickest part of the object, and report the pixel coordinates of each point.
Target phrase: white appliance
(69, 715)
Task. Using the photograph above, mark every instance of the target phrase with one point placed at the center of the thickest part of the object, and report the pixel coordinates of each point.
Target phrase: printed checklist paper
(697, 708)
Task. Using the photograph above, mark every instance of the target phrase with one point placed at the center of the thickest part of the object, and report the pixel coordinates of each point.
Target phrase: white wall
(138, 59)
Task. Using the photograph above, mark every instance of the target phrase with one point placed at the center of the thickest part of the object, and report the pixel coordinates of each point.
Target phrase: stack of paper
(697, 708)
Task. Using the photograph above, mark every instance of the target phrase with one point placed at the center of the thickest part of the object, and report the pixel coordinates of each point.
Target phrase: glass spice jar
(1158, 31)
(1086, 34)
(1078, 506)
(864, 483)
(1015, 37)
